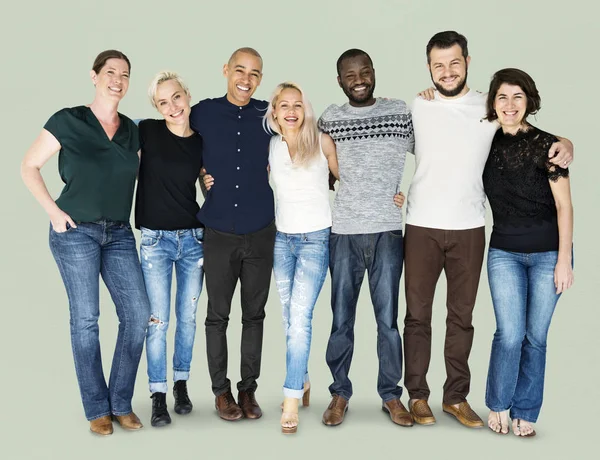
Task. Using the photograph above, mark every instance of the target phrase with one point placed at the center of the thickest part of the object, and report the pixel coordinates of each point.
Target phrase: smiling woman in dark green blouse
(90, 235)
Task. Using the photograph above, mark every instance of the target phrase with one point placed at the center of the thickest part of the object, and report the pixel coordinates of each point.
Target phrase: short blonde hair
(162, 77)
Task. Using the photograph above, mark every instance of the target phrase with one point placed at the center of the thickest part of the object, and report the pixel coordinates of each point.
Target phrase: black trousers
(227, 258)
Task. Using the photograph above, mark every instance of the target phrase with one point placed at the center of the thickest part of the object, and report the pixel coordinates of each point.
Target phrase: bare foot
(498, 422)
(522, 428)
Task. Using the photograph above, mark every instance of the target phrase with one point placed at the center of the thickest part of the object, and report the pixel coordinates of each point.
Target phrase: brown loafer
(421, 412)
(464, 414)
(102, 426)
(398, 413)
(248, 404)
(335, 412)
(227, 407)
(129, 422)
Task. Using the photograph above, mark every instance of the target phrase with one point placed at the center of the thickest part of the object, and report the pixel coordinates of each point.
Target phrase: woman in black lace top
(530, 255)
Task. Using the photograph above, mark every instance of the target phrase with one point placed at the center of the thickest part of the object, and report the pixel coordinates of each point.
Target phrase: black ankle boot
(160, 414)
(183, 405)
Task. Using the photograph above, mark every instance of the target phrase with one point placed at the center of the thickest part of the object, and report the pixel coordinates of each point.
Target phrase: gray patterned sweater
(371, 145)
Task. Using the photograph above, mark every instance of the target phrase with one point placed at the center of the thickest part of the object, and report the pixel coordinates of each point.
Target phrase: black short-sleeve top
(516, 181)
(99, 173)
(169, 170)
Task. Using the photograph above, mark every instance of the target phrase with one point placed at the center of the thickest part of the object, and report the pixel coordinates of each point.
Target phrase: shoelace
(229, 399)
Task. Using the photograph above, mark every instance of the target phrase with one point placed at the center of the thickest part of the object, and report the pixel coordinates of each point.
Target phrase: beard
(451, 92)
(359, 100)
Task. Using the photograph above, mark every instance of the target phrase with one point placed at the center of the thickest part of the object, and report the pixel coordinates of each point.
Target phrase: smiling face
(172, 102)
(243, 73)
(289, 110)
(448, 70)
(357, 80)
(112, 81)
(510, 104)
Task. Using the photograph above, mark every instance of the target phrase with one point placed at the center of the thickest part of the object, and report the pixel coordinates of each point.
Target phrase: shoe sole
(102, 435)
(386, 410)
(183, 411)
(461, 422)
(160, 423)
(423, 421)
(336, 424)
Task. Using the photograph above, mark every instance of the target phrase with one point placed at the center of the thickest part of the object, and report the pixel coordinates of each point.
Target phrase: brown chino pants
(460, 254)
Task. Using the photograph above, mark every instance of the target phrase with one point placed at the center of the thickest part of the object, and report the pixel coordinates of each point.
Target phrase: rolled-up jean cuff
(289, 393)
(158, 387)
(181, 375)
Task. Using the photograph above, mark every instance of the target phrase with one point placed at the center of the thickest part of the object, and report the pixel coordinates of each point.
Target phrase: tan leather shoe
(398, 413)
(464, 414)
(102, 426)
(248, 404)
(227, 407)
(129, 421)
(335, 412)
(421, 412)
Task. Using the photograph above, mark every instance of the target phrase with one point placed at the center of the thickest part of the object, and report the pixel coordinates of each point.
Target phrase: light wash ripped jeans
(300, 266)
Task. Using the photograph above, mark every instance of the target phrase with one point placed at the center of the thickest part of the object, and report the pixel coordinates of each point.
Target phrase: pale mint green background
(47, 51)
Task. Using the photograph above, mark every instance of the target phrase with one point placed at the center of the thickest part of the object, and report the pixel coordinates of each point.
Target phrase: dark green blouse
(99, 173)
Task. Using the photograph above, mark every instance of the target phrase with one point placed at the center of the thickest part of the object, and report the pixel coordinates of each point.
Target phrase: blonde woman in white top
(300, 159)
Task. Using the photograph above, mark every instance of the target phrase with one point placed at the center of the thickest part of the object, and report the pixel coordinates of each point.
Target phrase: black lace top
(515, 180)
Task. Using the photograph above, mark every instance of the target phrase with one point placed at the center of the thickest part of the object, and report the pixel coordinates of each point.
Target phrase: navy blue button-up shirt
(236, 154)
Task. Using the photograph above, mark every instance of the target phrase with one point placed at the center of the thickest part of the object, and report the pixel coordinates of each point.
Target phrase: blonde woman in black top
(172, 237)
(530, 255)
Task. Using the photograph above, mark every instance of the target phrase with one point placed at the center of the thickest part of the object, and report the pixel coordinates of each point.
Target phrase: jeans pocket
(68, 229)
(395, 233)
(318, 236)
(198, 235)
(150, 238)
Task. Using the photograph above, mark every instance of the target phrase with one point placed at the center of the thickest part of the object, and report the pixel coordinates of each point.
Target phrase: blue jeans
(524, 297)
(381, 255)
(300, 263)
(159, 251)
(83, 254)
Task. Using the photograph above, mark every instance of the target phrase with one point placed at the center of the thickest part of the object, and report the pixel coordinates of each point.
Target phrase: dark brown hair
(105, 56)
(518, 78)
(445, 40)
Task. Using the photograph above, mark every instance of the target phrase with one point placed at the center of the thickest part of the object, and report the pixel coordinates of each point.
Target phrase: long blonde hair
(307, 143)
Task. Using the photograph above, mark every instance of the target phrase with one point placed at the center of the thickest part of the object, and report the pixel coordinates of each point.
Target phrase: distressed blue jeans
(160, 250)
(300, 262)
(83, 254)
(524, 298)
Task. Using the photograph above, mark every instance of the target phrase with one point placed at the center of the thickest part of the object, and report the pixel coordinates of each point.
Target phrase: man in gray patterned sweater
(372, 137)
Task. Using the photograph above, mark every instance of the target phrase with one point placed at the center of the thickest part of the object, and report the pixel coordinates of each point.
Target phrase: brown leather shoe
(335, 412)
(129, 421)
(464, 414)
(421, 412)
(227, 407)
(398, 413)
(248, 404)
(102, 426)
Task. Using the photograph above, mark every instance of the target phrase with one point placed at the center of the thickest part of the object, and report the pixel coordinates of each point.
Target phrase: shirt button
(235, 205)
(237, 186)
(240, 108)
(239, 150)
(238, 133)
(239, 116)
(237, 168)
